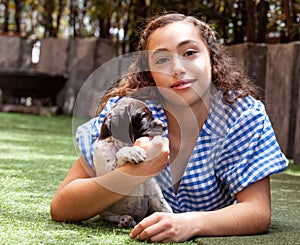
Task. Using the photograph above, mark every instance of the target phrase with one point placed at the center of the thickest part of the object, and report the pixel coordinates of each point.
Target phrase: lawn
(36, 153)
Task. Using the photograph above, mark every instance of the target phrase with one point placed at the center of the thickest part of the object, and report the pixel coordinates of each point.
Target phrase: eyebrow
(181, 44)
(159, 50)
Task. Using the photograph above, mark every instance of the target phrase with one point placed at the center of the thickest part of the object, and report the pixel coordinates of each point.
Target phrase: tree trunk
(296, 34)
(262, 11)
(81, 18)
(61, 6)
(18, 15)
(6, 15)
(104, 24)
(238, 30)
(250, 20)
(288, 20)
(74, 18)
(72, 21)
(139, 14)
(127, 27)
(49, 7)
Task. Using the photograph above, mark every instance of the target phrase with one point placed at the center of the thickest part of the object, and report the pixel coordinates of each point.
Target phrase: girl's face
(179, 63)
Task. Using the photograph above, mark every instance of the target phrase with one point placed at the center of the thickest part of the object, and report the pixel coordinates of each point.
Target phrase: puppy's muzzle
(157, 128)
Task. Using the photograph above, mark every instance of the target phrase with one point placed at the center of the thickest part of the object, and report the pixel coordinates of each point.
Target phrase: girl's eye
(161, 60)
(189, 53)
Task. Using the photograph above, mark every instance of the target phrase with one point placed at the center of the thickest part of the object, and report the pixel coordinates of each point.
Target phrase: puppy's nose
(158, 123)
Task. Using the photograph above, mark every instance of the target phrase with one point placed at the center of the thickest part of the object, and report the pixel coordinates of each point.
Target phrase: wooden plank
(256, 64)
(10, 53)
(53, 57)
(278, 88)
(296, 114)
(252, 58)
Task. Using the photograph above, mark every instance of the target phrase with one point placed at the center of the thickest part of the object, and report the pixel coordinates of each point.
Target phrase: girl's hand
(135, 174)
(157, 154)
(154, 146)
(164, 227)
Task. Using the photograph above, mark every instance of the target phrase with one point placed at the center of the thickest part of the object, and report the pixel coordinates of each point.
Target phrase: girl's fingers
(153, 233)
(156, 147)
(142, 140)
(144, 224)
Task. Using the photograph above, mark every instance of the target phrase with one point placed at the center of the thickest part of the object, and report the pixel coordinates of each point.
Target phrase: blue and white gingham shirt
(236, 147)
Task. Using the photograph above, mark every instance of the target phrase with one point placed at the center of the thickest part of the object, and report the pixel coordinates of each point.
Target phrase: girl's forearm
(84, 198)
(251, 215)
(80, 199)
(81, 196)
(237, 219)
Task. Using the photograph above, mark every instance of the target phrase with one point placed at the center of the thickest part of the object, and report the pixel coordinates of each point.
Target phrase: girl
(218, 151)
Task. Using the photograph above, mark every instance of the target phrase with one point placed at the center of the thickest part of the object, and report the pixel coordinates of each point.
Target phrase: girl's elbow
(55, 212)
(267, 224)
(62, 210)
(58, 210)
(264, 222)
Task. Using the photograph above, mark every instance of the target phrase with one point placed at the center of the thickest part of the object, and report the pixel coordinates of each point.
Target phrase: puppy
(127, 121)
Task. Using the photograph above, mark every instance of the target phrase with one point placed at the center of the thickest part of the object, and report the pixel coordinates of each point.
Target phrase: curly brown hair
(227, 76)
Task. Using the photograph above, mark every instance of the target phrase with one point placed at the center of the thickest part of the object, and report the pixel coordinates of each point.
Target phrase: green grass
(36, 153)
(293, 169)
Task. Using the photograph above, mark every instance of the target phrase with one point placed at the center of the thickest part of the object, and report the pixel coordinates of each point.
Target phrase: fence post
(53, 57)
(252, 58)
(296, 104)
(279, 92)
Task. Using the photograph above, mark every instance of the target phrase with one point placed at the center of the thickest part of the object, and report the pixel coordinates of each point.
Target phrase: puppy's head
(129, 120)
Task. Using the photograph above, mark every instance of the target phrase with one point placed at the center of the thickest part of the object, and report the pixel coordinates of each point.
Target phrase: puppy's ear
(131, 131)
(106, 128)
(120, 125)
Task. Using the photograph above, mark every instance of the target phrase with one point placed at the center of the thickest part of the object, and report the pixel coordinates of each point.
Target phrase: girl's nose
(178, 66)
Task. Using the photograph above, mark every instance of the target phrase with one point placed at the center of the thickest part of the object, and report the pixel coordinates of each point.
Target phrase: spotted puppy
(127, 121)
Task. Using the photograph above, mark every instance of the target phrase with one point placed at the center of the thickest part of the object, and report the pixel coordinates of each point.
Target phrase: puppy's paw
(134, 154)
(126, 221)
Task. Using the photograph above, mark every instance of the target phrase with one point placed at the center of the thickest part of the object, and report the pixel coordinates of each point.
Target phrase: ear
(120, 125)
(106, 128)
(130, 132)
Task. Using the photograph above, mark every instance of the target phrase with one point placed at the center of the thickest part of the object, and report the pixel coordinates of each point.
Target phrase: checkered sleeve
(251, 151)
(87, 133)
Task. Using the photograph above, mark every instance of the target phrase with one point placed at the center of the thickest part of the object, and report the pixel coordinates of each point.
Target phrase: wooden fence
(276, 69)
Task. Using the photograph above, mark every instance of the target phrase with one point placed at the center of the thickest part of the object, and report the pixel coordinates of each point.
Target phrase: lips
(180, 85)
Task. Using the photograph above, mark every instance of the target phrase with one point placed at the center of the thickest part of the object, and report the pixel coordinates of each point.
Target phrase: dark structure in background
(52, 82)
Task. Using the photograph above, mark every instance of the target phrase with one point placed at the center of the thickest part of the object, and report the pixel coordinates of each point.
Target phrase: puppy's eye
(143, 114)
